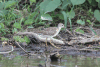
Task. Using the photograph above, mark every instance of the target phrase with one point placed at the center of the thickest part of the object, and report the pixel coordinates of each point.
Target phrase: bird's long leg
(46, 42)
(53, 44)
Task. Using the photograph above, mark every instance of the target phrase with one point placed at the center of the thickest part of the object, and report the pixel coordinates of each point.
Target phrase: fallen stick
(8, 51)
(56, 41)
(86, 40)
(42, 38)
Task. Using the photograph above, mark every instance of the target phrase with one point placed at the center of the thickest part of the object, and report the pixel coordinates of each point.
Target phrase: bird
(51, 31)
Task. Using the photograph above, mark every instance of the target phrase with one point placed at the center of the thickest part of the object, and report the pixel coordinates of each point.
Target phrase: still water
(66, 61)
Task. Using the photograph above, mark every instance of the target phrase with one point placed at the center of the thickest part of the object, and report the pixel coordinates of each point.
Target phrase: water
(66, 61)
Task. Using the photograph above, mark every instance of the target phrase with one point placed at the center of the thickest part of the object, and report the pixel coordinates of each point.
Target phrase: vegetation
(18, 15)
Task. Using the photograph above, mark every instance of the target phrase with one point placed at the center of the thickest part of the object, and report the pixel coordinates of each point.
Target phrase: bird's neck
(58, 30)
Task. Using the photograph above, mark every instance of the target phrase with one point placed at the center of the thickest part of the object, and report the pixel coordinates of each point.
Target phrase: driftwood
(8, 51)
(56, 41)
(42, 38)
(85, 40)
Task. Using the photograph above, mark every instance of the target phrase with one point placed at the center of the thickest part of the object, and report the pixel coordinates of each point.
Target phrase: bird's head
(60, 25)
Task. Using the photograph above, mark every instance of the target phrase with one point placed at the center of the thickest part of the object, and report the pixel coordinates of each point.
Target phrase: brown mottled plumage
(51, 31)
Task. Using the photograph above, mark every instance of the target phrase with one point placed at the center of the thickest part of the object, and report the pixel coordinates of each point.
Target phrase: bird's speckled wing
(47, 31)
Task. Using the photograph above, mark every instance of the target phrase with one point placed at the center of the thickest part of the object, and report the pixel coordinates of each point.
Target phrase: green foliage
(20, 39)
(97, 15)
(9, 4)
(12, 19)
(90, 1)
(4, 39)
(43, 6)
(2, 4)
(81, 22)
(46, 17)
(14, 30)
(90, 12)
(71, 14)
(89, 21)
(32, 1)
(93, 30)
(41, 23)
(30, 26)
(65, 17)
(1, 26)
(32, 15)
(2, 29)
(77, 2)
(48, 6)
(17, 25)
(97, 0)
(27, 40)
(28, 22)
(52, 5)
(65, 4)
(98, 3)
(79, 30)
(70, 24)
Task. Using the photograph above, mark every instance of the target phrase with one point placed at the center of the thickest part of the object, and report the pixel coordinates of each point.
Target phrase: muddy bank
(37, 47)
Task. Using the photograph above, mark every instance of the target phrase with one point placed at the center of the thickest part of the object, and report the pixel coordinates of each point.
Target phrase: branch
(42, 38)
(7, 51)
(86, 40)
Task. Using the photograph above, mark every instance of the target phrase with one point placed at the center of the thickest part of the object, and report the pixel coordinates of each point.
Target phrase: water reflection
(66, 61)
